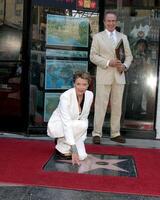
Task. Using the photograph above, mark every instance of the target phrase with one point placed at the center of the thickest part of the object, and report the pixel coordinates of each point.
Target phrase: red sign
(87, 5)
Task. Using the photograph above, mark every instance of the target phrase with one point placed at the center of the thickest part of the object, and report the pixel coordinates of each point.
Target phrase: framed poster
(52, 53)
(94, 25)
(59, 73)
(51, 101)
(67, 31)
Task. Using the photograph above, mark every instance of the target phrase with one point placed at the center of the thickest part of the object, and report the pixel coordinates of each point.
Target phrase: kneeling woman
(69, 122)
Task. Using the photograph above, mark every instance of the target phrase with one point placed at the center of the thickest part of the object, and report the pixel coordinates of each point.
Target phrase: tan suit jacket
(102, 51)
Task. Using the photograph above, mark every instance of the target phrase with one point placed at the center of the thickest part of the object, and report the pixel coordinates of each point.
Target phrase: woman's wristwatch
(74, 149)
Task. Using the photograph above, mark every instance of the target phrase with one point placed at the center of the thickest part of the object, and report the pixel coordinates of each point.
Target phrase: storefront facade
(51, 40)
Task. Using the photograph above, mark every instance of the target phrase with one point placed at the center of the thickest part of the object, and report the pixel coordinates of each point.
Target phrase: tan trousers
(103, 93)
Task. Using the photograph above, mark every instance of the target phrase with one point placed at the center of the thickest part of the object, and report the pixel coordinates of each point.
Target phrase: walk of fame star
(93, 163)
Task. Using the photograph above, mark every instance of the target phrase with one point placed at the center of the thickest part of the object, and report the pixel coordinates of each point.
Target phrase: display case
(60, 47)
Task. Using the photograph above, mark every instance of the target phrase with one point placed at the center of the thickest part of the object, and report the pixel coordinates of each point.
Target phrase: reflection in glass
(10, 43)
(10, 29)
(10, 89)
(142, 75)
(50, 103)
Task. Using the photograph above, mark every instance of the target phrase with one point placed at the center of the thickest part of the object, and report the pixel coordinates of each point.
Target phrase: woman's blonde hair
(83, 75)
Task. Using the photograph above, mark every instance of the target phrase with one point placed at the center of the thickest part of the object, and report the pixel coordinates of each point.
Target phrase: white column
(158, 113)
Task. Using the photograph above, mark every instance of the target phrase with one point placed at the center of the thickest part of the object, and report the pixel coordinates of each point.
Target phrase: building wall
(1, 9)
(14, 11)
(158, 113)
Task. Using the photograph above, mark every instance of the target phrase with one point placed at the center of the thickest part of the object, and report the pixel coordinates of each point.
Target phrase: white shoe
(83, 157)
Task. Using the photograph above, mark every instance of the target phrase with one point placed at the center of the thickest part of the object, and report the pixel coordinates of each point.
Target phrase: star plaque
(96, 164)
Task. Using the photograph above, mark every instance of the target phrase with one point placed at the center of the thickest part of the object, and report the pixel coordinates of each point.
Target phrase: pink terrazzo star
(93, 163)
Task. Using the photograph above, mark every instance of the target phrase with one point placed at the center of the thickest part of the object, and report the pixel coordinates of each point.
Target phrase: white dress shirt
(114, 35)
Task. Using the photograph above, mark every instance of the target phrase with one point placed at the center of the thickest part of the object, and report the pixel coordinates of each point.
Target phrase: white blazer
(67, 114)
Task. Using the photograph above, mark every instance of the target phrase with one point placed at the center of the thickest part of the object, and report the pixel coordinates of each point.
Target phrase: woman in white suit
(69, 122)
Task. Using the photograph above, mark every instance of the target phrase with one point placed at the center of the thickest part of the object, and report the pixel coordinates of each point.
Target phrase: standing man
(110, 77)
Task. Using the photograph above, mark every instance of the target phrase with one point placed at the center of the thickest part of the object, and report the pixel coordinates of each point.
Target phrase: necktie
(112, 39)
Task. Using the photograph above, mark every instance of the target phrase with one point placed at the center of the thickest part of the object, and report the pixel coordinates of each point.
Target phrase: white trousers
(65, 148)
(79, 129)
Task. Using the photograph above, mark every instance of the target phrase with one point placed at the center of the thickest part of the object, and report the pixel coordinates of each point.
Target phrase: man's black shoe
(119, 139)
(96, 140)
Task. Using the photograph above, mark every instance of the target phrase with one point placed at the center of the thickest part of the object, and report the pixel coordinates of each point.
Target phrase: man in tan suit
(110, 77)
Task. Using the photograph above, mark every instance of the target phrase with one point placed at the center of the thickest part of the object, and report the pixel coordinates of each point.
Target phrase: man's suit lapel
(118, 37)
